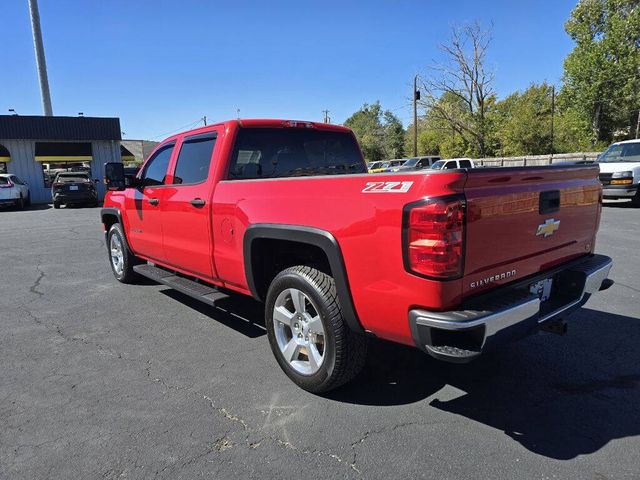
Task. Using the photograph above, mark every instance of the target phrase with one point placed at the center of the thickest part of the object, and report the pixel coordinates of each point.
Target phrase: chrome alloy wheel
(299, 331)
(117, 255)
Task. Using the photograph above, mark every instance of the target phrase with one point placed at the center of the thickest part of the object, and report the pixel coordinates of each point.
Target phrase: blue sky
(160, 65)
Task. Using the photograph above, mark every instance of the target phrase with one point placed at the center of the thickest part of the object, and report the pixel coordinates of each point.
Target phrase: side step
(199, 291)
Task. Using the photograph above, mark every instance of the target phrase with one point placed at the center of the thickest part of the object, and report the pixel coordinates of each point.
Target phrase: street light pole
(416, 96)
(638, 124)
(40, 60)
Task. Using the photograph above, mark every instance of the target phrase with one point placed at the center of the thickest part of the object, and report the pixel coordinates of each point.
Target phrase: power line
(184, 127)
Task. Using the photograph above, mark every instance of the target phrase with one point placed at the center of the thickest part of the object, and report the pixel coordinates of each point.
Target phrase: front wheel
(307, 332)
(121, 259)
(635, 201)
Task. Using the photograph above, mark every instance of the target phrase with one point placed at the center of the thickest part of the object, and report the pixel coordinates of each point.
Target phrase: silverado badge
(548, 228)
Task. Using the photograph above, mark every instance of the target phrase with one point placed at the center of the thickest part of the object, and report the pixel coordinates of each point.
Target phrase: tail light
(433, 237)
(57, 185)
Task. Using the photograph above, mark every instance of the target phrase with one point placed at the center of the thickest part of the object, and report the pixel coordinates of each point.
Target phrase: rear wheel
(20, 203)
(56, 205)
(120, 258)
(307, 332)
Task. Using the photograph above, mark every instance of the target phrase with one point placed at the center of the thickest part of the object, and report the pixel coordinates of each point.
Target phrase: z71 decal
(387, 187)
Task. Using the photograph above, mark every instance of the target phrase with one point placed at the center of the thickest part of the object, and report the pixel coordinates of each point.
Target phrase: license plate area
(73, 188)
(542, 289)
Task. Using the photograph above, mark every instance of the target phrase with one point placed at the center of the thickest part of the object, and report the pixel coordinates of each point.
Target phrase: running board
(205, 293)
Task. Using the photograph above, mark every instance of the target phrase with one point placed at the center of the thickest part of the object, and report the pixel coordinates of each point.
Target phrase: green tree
(523, 122)
(380, 134)
(602, 73)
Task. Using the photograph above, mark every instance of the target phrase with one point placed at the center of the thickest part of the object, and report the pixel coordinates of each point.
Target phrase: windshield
(410, 163)
(374, 165)
(438, 165)
(625, 152)
(72, 178)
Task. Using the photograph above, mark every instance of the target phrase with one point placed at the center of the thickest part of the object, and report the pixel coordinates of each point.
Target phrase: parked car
(453, 163)
(380, 167)
(418, 163)
(373, 166)
(73, 188)
(620, 171)
(14, 191)
(394, 165)
(249, 207)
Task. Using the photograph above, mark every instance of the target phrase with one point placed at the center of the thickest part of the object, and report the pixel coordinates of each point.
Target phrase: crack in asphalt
(36, 284)
(235, 419)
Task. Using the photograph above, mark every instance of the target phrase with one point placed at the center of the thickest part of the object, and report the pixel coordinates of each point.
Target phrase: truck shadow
(559, 398)
(240, 313)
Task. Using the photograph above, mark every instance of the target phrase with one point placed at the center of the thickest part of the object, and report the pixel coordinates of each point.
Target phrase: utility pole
(326, 116)
(416, 97)
(638, 125)
(40, 60)
(204, 119)
(553, 114)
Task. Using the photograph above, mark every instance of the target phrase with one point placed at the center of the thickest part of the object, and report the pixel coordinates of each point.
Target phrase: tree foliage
(380, 133)
(602, 73)
(598, 102)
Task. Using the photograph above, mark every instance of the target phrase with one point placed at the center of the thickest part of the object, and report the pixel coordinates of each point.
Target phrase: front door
(186, 208)
(144, 205)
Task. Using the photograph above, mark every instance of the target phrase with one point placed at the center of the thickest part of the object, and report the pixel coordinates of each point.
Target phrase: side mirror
(114, 177)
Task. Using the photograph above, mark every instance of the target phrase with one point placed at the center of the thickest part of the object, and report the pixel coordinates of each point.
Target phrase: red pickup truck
(454, 262)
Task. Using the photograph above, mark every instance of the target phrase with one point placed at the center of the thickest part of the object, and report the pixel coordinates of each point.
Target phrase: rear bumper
(507, 313)
(619, 191)
(80, 197)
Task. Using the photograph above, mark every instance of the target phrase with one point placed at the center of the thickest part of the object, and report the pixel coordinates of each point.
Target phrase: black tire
(28, 200)
(344, 351)
(20, 203)
(56, 205)
(127, 275)
(635, 201)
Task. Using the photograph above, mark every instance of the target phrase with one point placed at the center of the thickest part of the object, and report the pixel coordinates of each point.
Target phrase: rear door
(144, 203)
(522, 221)
(186, 208)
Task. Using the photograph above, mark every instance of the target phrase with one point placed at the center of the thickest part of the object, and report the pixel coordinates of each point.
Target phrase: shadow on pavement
(242, 314)
(625, 204)
(559, 401)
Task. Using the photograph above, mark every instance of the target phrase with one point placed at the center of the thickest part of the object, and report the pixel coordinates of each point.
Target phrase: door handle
(197, 202)
(154, 201)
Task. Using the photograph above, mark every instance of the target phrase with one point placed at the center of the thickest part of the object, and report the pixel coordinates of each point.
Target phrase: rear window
(4, 181)
(292, 152)
(465, 164)
(72, 178)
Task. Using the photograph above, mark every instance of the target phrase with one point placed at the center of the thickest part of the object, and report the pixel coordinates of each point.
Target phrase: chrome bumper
(507, 313)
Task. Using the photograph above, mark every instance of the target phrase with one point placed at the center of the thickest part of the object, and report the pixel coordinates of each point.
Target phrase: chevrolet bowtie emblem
(548, 228)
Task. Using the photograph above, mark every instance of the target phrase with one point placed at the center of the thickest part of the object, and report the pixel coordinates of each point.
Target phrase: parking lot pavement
(103, 380)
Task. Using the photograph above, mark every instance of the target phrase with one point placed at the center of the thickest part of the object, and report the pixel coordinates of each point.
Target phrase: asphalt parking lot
(103, 380)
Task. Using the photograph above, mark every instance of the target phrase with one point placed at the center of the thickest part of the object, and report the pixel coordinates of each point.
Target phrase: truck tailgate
(521, 221)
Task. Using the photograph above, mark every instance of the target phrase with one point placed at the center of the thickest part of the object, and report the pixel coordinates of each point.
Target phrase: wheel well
(109, 220)
(270, 256)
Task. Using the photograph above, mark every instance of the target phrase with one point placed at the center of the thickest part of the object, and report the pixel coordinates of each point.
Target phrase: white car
(13, 191)
(453, 163)
(620, 171)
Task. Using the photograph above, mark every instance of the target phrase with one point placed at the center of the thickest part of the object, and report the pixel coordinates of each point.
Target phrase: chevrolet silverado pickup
(454, 262)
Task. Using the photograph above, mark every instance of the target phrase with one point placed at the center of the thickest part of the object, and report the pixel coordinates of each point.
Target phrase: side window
(16, 180)
(450, 165)
(156, 167)
(194, 159)
(465, 164)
